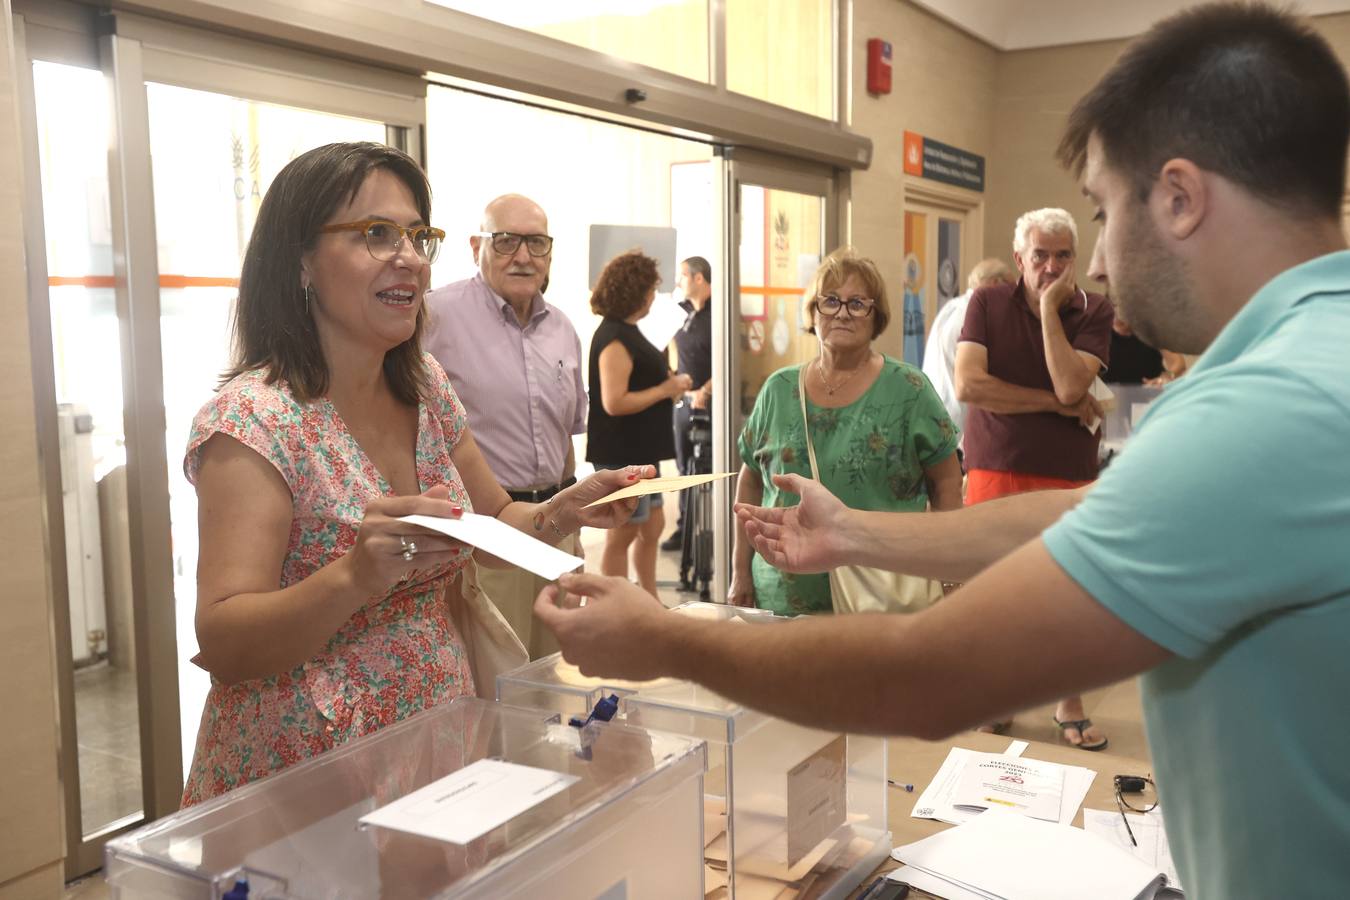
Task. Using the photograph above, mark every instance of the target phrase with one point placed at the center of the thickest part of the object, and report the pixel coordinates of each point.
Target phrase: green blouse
(872, 455)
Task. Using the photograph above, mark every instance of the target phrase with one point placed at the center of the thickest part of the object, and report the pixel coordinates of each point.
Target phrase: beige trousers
(514, 590)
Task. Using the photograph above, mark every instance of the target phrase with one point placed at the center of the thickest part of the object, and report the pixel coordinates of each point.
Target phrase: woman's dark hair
(624, 284)
(273, 329)
(1245, 91)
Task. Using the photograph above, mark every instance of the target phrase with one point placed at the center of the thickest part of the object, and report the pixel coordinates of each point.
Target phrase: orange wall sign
(913, 154)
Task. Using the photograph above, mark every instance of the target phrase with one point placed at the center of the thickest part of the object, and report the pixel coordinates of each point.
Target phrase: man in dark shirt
(1025, 365)
(693, 345)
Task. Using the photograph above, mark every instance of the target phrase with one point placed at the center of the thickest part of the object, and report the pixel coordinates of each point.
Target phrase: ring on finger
(409, 548)
(582, 602)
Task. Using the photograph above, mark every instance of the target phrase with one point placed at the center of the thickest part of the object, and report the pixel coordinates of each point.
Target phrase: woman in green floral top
(882, 437)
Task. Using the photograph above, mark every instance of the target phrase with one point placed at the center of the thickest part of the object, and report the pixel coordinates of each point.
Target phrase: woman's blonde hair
(837, 268)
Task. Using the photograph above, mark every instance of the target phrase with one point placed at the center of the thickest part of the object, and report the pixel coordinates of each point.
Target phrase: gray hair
(990, 271)
(1050, 220)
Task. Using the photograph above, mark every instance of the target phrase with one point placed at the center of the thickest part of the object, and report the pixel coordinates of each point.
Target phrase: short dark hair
(699, 266)
(1245, 91)
(623, 285)
(273, 329)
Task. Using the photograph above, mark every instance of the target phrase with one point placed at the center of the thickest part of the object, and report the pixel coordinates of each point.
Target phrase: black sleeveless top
(641, 438)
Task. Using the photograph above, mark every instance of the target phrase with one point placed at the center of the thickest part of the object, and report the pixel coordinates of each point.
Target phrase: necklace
(831, 389)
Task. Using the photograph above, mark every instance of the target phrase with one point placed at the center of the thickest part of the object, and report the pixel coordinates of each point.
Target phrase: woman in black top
(631, 392)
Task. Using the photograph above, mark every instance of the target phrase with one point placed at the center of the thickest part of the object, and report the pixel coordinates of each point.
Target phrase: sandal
(1081, 726)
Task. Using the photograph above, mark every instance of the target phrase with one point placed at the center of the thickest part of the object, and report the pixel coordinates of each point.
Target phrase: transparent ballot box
(789, 812)
(608, 811)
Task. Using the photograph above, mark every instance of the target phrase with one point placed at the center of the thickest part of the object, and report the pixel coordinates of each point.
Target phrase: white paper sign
(502, 541)
(462, 807)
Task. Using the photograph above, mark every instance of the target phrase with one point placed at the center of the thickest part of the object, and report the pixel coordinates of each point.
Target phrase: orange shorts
(989, 484)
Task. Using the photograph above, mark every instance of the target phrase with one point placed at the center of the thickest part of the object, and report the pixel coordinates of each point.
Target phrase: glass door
(784, 220)
(91, 560)
(146, 199)
(934, 239)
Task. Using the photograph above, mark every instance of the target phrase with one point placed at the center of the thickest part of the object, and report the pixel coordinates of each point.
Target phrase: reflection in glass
(783, 53)
(213, 157)
(88, 373)
(782, 238)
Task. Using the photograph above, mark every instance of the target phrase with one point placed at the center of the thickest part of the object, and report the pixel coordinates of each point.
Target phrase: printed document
(1148, 831)
(936, 801)
(467, 804)
(1024, 786)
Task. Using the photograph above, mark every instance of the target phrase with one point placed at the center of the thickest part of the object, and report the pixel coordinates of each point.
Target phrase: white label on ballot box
(471, 802)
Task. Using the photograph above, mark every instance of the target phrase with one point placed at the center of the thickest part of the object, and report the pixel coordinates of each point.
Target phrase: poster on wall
(949, 260)
(916, 240)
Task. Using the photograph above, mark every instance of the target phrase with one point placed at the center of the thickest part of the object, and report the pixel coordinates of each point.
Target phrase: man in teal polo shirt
(1210, 556)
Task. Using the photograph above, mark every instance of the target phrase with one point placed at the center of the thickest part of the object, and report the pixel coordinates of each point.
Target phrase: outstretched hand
(605, 625)
(603, 483)
(801, 538)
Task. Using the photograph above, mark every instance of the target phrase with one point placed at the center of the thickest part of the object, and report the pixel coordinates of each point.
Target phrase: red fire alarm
(878, 66)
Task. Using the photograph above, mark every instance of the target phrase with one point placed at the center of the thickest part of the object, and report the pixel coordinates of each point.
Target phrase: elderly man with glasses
(515, 361)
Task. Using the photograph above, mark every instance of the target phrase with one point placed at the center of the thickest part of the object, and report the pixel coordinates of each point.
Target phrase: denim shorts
(646, 503)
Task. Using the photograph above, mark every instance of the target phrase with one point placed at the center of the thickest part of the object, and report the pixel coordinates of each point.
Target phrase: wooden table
(912, 761)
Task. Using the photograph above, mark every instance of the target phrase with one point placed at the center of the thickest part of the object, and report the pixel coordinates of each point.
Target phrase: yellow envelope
(659, 486)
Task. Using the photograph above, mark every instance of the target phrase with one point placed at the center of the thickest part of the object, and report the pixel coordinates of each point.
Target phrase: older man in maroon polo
(1025, 364)
(515, 361)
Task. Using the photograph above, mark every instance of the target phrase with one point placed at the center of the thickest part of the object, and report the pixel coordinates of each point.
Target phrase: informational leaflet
(936, 800)
(1025, 786)
(467, 804)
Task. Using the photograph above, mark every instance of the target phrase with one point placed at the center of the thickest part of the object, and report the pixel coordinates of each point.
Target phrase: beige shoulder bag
(856, 589)
(489, 640)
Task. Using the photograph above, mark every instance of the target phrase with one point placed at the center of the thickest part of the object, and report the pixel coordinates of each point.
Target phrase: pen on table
(908, 788)
(1128, 829)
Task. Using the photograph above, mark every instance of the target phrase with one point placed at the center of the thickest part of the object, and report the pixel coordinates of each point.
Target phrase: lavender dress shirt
(521, 387)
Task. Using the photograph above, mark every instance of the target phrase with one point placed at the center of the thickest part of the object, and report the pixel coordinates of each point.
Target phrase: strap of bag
(806, 424)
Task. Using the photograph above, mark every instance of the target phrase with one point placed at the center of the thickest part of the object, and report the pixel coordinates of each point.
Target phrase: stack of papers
(940, 799)
(1001, 855)
(1148, 830)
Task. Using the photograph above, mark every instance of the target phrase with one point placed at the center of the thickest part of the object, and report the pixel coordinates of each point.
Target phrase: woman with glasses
(321, 616)
(882, 438)
(631, 389)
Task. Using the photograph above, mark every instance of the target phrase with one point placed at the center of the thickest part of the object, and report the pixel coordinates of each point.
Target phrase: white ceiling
(1023, 24)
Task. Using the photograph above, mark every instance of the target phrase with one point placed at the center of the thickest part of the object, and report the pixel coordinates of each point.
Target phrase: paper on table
(502, 541)
(1003, 854)
(659, 486)
(935, 884)
(1148, 831)
(469, 803)
(936, 800)
(1027, 786)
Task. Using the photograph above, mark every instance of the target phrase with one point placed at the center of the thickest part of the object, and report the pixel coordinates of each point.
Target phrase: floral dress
(394, 657)
(872, 455)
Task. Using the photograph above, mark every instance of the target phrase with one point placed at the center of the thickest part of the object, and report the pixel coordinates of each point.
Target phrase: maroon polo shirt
(1043, 443)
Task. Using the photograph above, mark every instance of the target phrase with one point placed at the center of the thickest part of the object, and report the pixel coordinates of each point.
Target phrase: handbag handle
(806, 424)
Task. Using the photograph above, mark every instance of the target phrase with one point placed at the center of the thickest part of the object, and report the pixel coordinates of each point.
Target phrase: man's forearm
(1071, 377)
(987, 392)
(955, 545)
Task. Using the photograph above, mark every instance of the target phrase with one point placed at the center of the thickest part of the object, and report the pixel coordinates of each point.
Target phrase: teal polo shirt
(1223, 534)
